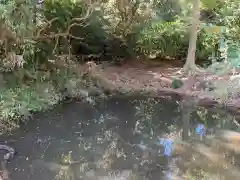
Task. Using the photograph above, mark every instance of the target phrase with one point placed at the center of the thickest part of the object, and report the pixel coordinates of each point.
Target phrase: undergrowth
(18, 102)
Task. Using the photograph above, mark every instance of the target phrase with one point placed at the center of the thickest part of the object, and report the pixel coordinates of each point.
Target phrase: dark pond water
(116, 139)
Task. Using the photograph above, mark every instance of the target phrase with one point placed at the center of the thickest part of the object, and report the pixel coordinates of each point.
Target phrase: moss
(176, 83)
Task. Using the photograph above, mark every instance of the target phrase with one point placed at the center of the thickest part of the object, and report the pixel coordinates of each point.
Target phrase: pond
(119, 138)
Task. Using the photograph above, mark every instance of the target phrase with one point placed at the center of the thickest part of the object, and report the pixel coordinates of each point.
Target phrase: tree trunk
(190, 62)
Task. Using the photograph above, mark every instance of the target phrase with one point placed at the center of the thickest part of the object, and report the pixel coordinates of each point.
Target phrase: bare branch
(88, 13)
(49, 23)
(67, 32)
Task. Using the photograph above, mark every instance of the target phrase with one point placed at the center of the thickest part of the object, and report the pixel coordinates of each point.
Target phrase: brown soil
(155, 78)
(137, 74)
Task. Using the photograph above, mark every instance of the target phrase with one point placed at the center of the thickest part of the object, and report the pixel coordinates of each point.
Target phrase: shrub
(170, 39)
(163, 39)
(208, 43)
(17, 103)
(93, 37)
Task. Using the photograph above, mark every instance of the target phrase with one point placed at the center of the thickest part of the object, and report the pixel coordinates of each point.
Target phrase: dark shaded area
(207, 15)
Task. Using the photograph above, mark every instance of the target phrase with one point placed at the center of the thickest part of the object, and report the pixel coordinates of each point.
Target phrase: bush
(170, 39)
(92, 38)
(207, 44)
(17, 103)
(163, 39)
(60, 13)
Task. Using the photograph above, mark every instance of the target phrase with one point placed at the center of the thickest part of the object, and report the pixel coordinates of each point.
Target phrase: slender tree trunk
(35, 25)
(194, 28)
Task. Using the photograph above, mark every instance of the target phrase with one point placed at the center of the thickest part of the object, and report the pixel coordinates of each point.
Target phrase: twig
(236, 123)
(56, 44)
(67, 32)
(49, 23)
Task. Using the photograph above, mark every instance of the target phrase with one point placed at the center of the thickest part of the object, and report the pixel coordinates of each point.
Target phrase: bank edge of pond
(197, 98)
(95, 86)
(18, 104)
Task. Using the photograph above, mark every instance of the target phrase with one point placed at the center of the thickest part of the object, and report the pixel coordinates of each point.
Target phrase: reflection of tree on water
(4, 171)
(200, 130)
(168, 151)
(211, 156)
(146, 112)
(193, 148)
(138, 140)
(152, 116)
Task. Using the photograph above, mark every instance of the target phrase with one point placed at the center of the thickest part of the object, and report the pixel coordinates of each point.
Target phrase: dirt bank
(155, 80)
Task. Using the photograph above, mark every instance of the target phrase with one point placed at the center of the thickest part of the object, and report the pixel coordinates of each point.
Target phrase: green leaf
(209, 4)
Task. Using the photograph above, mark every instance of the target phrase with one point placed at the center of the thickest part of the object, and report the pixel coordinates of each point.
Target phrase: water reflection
(124, 138)
(200, 130)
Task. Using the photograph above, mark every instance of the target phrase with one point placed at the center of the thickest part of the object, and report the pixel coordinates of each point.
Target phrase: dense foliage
(113, 28)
